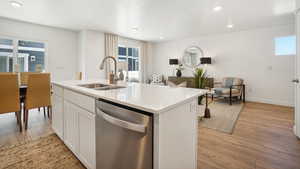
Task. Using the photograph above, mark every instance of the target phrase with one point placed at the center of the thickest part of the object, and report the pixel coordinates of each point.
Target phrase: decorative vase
(178, 73)
(121, 75)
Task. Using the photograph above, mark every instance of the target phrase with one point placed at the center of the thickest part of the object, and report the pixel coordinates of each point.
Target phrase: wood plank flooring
(262, 139)
(38, 126)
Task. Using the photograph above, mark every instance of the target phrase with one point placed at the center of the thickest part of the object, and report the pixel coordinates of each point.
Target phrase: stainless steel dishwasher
(124, 137)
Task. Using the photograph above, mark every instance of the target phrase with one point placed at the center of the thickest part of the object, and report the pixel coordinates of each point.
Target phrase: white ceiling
(170, 19)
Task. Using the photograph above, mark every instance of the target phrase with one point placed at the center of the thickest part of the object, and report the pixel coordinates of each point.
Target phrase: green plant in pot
(200, 80)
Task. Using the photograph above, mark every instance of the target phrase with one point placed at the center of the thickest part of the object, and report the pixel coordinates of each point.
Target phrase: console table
(191, 81)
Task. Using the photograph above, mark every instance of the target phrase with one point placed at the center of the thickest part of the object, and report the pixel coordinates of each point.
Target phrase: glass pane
(285, 45)
(135, 52)
(133, 64)
(137, 64)
(122, 51)
(31, 56)
(122, 54)
(130, 64)
(6, 55)
(129, 51)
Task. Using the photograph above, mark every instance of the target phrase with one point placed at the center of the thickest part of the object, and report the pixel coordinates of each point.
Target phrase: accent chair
(231, 87)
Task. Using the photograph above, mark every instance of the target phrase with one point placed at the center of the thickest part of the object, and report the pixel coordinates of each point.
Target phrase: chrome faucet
(113, 79)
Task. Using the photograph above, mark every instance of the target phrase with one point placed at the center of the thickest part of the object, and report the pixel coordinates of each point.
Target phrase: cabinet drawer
(59, 91)
(80, 100)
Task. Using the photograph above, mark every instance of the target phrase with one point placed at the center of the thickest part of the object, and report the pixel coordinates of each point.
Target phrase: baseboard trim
(295, 132)
(270, 101)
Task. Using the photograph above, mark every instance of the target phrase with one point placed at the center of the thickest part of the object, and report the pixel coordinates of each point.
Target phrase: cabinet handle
(124, 124)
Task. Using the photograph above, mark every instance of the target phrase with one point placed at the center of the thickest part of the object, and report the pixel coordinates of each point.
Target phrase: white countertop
(150, 98)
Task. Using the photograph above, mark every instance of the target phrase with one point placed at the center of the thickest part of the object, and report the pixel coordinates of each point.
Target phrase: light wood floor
(38, 126)
(262, 139)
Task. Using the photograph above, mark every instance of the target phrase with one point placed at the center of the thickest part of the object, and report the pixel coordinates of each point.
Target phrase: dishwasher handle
(123, 124)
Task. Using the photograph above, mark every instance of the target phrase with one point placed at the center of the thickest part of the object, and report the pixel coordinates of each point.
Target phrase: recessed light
(218, 8)
(230, 26)
(161, 37)
(16, 4)
(135, 29)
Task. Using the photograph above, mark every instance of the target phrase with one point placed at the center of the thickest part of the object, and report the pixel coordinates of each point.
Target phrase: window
(6, 55)
(129, 61)
(285, 45)
(27, 56)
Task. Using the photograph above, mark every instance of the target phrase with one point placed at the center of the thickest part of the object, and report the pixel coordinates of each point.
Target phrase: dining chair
(8, 73)
(10, 96)
(24, 81)
(78, 76)
(24, 77)
(38, 94)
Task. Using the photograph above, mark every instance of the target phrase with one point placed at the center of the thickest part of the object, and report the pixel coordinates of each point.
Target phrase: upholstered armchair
(231, 87)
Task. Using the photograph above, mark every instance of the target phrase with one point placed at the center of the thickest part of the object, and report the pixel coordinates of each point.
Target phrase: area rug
(45, 153)
(223, 116)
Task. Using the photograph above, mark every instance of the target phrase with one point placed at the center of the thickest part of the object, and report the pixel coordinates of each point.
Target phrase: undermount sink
(109, 87)
(99, 86)
(93, 86)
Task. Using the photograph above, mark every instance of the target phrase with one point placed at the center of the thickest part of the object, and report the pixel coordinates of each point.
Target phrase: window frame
(16, 39)
(284, 36)
(127, 55)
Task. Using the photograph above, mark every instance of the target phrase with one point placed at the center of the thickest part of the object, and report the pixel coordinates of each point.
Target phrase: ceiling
(152, 20)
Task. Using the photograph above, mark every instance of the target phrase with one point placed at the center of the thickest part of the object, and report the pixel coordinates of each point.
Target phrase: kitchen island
(165, 138)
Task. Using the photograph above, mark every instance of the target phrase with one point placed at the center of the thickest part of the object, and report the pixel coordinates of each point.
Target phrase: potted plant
(200, 80)
(179, 69)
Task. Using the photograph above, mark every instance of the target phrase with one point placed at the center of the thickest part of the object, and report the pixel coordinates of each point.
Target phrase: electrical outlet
(270, 67)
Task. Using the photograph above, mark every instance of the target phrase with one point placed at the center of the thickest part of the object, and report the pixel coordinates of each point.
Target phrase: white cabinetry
(71, 138)
(87, 149)
(57, 115)
(74, 123)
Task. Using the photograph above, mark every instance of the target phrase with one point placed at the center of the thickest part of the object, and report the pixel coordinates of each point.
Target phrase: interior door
(297, 75)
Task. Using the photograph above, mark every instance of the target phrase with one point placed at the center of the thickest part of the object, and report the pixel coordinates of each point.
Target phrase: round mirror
(191, 57)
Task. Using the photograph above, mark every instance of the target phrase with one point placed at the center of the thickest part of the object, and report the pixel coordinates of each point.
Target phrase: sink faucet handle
(111, 78)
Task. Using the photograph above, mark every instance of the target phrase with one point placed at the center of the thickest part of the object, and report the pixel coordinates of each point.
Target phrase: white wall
(61, 45)
(246, 54)
(91, 53)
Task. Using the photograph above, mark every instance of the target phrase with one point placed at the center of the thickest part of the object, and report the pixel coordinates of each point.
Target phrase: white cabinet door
(71, 126)
(57, 115)
(87, 148)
